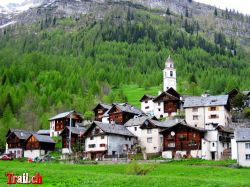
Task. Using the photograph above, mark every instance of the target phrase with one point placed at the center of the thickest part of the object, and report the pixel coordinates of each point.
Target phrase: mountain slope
(64, 59)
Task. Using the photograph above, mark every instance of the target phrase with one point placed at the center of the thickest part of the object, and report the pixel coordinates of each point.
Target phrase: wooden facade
(14, 142)
(100, 110)
(32, 143)
(61, 123)
(182, 138)
(77, 139)
(118, 116)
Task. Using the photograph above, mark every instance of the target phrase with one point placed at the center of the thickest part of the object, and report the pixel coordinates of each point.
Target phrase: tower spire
(169, 75)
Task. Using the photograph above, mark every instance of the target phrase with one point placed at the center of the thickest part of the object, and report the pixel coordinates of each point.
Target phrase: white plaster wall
(137, 133)
(33, 153)
(97, 141)
(168, 81)
(116, 143)
(150, 106)
(156, 145)
(105, 119)
(195, 153)
(203, 114)
(15, 150)
(242, 151)
(234, 149)
(167, 154)
(65, 150)
(53, 133)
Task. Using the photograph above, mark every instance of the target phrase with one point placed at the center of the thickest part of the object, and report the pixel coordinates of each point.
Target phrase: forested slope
(60, 64)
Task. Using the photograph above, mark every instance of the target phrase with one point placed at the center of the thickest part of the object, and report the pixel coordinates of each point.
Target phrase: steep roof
(225, 129)
(76, 130)
(242, 134)
(20, 133)
(112, 128)
(160, 124)
(160, 97)
(147, 96)
(125, 107)
(64, 114)
(137, 121)
(43, 138)
(43, 131)
(183, 123)
(219, 100)
(103, 105)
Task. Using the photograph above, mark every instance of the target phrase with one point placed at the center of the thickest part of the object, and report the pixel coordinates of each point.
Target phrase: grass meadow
(184, 173)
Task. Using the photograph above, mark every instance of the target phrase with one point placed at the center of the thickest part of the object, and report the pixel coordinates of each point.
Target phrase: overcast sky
(240, 5)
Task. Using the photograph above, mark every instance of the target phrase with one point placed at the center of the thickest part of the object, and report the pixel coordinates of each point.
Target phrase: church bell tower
(169, 75)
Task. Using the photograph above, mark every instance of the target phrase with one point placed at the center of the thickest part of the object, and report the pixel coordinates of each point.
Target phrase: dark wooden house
(100, 110)
(60, 121)
(171, 103)
(182, 139)
(15, 141)
(121, 113)
(38, 145)
(77, 139)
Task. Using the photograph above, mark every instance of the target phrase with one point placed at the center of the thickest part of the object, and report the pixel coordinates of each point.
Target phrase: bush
(139, 169)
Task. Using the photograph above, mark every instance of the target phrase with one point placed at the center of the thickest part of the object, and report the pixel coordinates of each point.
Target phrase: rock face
(31, 11)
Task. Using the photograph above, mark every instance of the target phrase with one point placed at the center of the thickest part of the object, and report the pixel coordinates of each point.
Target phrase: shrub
(139, 169)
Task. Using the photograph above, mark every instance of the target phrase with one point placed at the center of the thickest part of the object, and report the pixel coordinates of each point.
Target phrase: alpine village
(169, 125)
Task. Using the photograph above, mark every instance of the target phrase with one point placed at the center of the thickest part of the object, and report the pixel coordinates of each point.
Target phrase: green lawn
(134, 93)
(167, 174)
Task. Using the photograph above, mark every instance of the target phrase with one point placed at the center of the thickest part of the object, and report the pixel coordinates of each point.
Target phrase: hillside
(72, 54)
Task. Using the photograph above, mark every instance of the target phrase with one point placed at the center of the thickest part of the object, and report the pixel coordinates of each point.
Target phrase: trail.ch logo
(23, 179)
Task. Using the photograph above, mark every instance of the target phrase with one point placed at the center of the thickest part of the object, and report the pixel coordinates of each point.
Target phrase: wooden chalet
(171, 103)
(121, 113)
(38, 145)
(182, 138)
(60, 121)
(15, 139)
(100, 110)
(77, 138)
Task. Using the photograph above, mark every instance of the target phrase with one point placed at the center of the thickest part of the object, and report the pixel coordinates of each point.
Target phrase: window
(247, 156)
(129, 138)
(247, 145)
(214, 116)
(213, 108)
(135, 128)
(159, 109)
(102, 145)
(91, 138)
(213, 145)
(147, 107)
(146, 101)
(195, 117)
(91, 145)
(171, 73)
(195, 109)
(159, 104)
(102, 137)
(126, 138)
(149, 131)
(149, 140)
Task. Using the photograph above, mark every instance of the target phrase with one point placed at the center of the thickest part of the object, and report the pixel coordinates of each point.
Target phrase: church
(168, 103)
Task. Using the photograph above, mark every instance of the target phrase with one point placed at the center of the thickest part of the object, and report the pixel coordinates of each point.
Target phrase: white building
(241, 150)
(216, 144)
(108, 140)
(147, 130)
(169, 75)
(203, 110)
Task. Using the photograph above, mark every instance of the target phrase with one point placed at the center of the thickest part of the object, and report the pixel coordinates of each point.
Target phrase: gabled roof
(225, 129)
(183, 123)
(43, 138)
(147, 97)
(173, 92)
(160, 97)
(43, 132)
(65, 114)
(160, 124)
(242, 134)
(103, 105)
(111, 128)
(20, 133)
(125, 107)
(137, 121)
(75, 130)
(219, 100)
